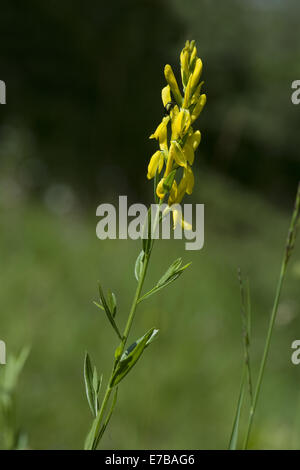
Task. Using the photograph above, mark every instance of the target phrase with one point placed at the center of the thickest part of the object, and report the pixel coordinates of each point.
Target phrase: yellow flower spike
(196, 74)
(198, 108)
(178, 150)
(166, 95)
(156, 163)
(170, 77)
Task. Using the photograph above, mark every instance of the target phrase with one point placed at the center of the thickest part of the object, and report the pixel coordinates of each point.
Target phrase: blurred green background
(83, 95)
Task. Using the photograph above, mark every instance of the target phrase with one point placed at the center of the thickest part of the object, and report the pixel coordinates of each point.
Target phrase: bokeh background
(83, 95)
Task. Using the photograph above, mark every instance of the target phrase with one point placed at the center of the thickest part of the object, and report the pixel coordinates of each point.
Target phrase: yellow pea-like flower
(191, 145)
(156, 163)
(178, 154)
(196, 139)
(160, 190)
(170, 77)
(184, 61)
(189, 153)
(196, 74)
(193, 56)
(181, 124)
(160, 134)
(198, 108)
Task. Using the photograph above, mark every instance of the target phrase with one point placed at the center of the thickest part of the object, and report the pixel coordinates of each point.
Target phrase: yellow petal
(196, 139)
(196, 74)
(166, 95)
(198, 108)
(160, 190)
(193, 55)
(178, 219)
(156, 163)
(170, 77)
(178, 155)
(170, 159)
(189, 153)
(188, 93)
(181, 124)
(161, 129)
(191, 145)
(184, 61)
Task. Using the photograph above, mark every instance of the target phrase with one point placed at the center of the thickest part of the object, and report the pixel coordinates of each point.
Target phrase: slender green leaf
(88, 381)
(131, 356)
(172, 273)
(235, 430)
(99, 305)
(108, 312)
(112, 302)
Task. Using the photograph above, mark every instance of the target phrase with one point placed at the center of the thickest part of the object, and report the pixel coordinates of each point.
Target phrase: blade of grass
(235, 429)
(246, 323)
(291, 238)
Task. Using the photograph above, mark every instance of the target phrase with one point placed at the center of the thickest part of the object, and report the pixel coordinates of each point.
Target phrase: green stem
(265, 354)
(96, 427)
(287, 253)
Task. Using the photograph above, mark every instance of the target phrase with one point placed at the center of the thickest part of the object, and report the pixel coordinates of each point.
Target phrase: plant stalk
(287, 253)
(96, 427)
